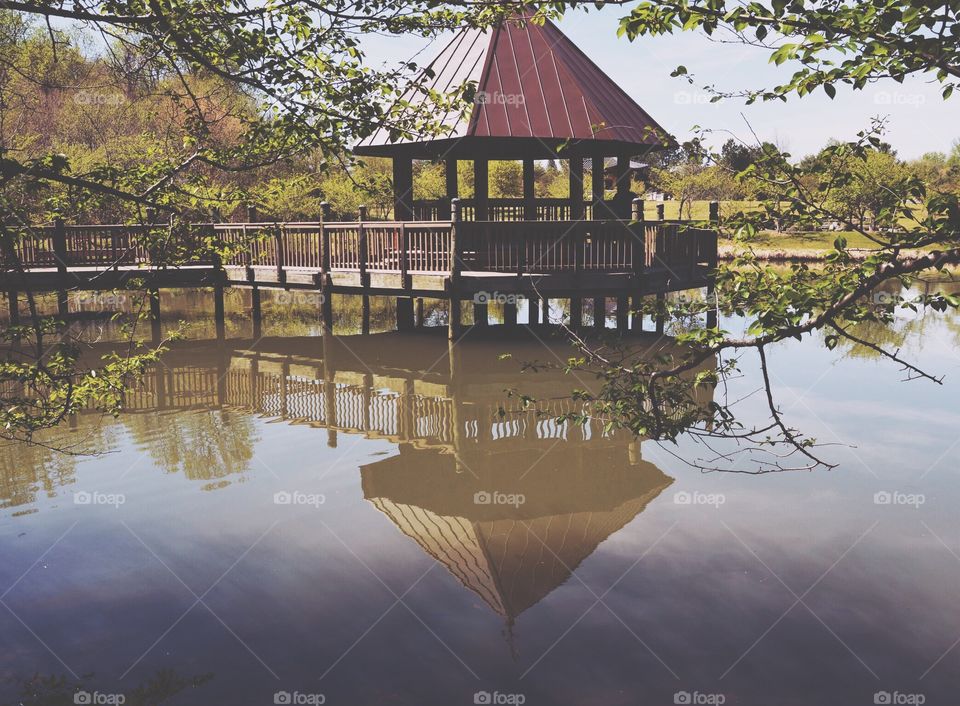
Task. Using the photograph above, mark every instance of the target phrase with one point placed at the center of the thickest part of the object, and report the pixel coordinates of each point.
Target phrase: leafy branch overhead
(833, 42)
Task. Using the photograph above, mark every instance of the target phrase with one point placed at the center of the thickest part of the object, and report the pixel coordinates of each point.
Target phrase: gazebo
(537, 97)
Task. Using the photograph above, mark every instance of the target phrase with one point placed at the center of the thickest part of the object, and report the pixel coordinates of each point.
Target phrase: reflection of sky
(699, 597)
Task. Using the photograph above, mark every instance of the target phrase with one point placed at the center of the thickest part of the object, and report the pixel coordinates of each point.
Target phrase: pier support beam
(637, 323)
(661, 313)
(481, 314)
(156, 334)
(623, 313)
(510, 314)
(218, 312)
(12, 297)
(576, 313)
(419, 320)
(365, 314)
(533, 311)
(405, 321)
(326, 311)
(454, 324)
(599, 313)
(256, 313)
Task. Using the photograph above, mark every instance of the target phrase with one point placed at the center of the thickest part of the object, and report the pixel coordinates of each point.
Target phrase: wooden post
(405, 320)
(252, 213)
(636, 212)
(402, 188)
(623, 185)
(597, 186)
(576, 188)
(481, 189)
(453, 281)
(325, 212)
(256, 312)
(529, 195)
(362, 246)
(661, 211)
(453, 187)
(599, 313)
(280, 254)
(715, 212)
(61, 256)
(418, 321)
(405, 280)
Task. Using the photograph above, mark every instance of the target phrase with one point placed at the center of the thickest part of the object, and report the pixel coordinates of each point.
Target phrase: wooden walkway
(391, 257)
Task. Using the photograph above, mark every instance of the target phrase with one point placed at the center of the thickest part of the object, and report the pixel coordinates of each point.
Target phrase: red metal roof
(536, 91)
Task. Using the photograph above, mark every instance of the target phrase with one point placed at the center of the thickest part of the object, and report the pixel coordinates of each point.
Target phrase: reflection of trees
(26, 470)
(57, 690)
(201, 445)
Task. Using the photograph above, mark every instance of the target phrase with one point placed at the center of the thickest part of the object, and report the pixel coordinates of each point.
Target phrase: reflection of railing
(432, 420)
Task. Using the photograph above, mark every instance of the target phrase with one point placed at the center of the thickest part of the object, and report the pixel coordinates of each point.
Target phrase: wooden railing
(62, 246)
(513, 209)
(405, 247)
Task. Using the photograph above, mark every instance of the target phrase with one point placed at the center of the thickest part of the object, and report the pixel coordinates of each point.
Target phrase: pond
(349, 521)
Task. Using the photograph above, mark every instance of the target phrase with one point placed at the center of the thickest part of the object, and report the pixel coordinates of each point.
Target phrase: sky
(919, 120)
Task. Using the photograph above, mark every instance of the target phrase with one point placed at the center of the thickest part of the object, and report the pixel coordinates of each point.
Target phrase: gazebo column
(481, 189)
(403, 188)
(529, 199)
(623, 204)
(453, 187)
(596, 184)
(576, 188)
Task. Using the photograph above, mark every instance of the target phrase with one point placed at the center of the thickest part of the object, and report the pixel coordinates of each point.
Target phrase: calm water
(298, 521)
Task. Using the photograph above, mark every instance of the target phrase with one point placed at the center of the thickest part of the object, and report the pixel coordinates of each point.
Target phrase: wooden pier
(454, 260)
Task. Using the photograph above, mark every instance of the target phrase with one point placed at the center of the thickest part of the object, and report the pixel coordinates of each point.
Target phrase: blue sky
(919, 120)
